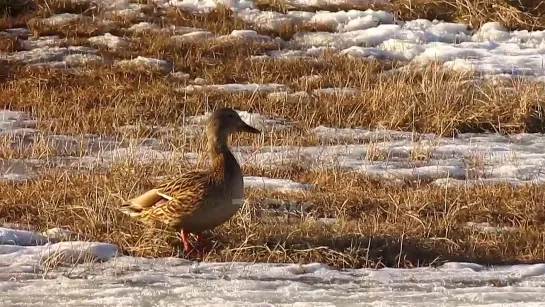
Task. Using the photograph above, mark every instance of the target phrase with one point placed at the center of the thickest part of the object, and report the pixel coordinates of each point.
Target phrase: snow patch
(282, 185)
(94, 273)
(111, 41)
(236, 88)
(144, 62)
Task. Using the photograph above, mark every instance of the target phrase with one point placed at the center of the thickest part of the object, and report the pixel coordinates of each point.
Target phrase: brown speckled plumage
(198, 200)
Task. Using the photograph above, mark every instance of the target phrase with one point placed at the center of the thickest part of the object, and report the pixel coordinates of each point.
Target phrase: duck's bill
(247, 128)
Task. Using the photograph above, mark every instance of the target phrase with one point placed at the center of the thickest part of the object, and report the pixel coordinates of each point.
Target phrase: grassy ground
(378, 223)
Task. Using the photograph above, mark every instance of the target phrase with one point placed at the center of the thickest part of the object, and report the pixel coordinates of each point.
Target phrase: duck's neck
(225, 166)
(217, 146)
(219, 153)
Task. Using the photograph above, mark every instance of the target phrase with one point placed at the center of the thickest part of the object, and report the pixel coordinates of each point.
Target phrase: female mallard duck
(199, 200)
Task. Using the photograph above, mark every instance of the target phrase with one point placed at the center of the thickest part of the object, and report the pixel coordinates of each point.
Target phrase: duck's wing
(171, 200)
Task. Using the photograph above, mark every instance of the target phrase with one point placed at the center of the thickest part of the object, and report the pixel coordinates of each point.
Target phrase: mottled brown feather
(188, 192)
(198, 200)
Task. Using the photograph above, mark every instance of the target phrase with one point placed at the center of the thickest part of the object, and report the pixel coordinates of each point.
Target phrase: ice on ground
(249, 34)
(467, 159)
(40, 42)
(236, 87)
(144, 62)
(13, 177)
(282, 185)
(63, 19)
(111, 41)
(94, 273)
(142, 154)
(322, 3)
(470, 158)
(21, 237)
(144, 26)
(336, 91)
(488, 50)
(15, 32)
(197, 36)
(295, 97)
(46, 55)
(180, 75)
(487, 228)
(20, 249)
(13, 120)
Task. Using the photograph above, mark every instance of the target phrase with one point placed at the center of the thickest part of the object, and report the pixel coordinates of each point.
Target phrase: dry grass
(525, 14)
(376, 222)
(102, 100)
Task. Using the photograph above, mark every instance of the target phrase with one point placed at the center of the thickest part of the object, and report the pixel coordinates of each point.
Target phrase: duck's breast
(223, 201)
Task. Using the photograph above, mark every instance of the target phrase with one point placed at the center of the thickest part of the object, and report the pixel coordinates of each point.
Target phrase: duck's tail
(131, 210)
(136, 206)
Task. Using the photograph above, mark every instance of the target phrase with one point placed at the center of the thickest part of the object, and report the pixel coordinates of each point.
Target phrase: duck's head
(226, 121)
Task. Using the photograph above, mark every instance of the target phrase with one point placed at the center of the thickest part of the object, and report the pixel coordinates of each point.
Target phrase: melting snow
(110, 41)
(46, 55)
(12, 120)
(141, 61)
(234, 88)
(391, 155)
(490, 50)
(283, 185)
(62, 19)
(26, 257)
(337, 91)
(93, 273)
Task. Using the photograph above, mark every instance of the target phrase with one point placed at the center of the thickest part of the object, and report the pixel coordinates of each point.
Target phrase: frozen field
(36, 270)
(48, 274)
(382, 154)
(489, 50)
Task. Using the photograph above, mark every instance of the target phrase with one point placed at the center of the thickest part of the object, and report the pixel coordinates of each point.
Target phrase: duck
(198, 200)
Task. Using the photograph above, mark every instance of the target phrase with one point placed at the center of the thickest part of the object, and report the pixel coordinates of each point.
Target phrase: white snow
(235, 87)
(300, 96)
(193, 36)
(282, 185)
(62, 19)
(322, 3)
(39, 273)
(488, 50)
(38, 269)
(144, 26)
(110, 41)
(47, 55)
(40, 42)
(487, 228)
(466, 159)
(144, 62)
(336, 91)
(12, 120)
